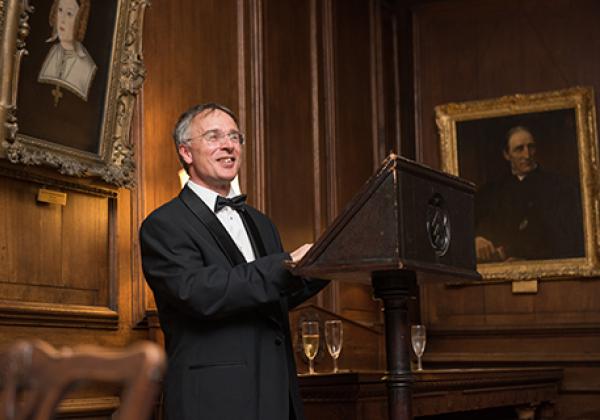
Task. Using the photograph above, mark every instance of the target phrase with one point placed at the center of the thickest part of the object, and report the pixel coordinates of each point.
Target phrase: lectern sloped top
(406, 217)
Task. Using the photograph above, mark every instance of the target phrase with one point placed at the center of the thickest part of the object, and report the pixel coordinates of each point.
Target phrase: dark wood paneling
(50, 253)
(467, 50)
(494, 306)
(356, 122)
(289, 141)
(191, 55)
(353, 96)
(357, 303)
(389, 135)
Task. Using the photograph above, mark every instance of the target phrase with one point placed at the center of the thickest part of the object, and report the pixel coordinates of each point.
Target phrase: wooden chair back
(35, 376)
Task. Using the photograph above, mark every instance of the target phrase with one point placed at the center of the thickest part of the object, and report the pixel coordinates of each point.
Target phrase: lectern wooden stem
(393, 287)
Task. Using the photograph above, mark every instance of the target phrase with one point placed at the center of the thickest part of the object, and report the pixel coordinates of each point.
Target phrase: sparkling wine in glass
(418, 337)
(334, 338)
(310, 342)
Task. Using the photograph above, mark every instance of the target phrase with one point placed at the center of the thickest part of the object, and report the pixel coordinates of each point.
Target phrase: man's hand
(486, 251)
(300, 252)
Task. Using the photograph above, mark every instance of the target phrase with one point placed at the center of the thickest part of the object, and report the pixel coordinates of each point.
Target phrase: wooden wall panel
(388, 136)
(25, 223)
(53, 254)
(354, 149)
(354, 143)
(468, 50)
(289, 118)
(191, 56)
(558, 304)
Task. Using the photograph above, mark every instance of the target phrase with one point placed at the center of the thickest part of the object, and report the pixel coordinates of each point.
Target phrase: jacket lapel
(213, 225)
(256, 240)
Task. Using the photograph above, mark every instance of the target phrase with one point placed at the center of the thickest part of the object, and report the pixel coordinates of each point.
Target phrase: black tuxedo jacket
(225, 320)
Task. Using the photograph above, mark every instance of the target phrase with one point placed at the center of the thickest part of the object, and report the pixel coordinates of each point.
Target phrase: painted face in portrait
(66, 18)
(213, 151)
(520, 152)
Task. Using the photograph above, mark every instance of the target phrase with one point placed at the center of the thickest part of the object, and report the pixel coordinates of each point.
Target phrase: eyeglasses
(214, 137)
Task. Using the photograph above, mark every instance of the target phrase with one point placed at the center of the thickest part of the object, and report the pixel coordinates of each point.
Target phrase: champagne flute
(310, 342)
(334, 337)
(418, 337)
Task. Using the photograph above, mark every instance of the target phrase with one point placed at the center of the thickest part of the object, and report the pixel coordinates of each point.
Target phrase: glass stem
(419, 364)
(335, 366)
(311, 368)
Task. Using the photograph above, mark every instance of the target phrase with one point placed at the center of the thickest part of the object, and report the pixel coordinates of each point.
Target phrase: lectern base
(393, 288)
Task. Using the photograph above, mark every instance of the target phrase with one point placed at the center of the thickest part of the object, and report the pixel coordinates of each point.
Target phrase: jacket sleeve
(304, 288)
(177, 270)
(310, 287)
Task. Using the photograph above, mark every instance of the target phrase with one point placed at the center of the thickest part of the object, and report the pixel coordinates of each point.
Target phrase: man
(530, 213)
(216, 267)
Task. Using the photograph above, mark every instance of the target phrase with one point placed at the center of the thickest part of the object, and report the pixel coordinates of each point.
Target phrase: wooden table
(531, 392)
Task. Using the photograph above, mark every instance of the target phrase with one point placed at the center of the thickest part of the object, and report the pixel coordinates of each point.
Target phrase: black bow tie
(236, 203)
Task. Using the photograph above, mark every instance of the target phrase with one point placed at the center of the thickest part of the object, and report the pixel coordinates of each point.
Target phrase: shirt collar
(207, 195)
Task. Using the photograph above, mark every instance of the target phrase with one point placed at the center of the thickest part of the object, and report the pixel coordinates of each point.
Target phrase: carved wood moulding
(54, 315)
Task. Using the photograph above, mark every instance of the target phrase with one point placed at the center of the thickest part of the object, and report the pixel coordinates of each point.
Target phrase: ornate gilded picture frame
(9, 18)
(70, 72)
(534, 159)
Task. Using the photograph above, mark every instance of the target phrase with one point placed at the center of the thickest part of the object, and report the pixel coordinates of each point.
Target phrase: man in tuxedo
(216, 267)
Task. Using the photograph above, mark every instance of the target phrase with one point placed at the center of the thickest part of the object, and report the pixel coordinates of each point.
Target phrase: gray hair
(181, 131)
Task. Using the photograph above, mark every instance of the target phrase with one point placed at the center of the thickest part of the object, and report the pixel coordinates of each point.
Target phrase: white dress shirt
(229, 218)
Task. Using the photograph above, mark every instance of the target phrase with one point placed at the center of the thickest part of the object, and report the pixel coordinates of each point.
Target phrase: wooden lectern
(407, 218)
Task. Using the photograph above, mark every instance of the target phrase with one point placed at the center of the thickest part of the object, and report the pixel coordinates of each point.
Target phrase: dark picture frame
(544, 223)
(77, 122)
